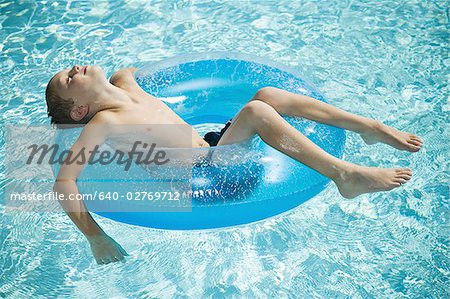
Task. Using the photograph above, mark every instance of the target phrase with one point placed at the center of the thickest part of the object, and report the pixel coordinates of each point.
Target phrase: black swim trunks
(213, 137)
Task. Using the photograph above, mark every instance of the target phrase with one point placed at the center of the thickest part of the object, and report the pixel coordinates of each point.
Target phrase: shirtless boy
(83, 95)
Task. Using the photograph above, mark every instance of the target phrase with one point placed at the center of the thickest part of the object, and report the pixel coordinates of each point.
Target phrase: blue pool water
(383, 59)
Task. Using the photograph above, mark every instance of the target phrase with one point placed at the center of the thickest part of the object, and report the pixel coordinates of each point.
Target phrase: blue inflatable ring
(206, 90)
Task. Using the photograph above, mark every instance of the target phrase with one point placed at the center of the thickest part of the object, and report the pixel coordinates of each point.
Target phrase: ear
(79, 112)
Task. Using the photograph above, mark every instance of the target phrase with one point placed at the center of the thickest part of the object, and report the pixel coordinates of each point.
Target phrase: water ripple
(383, 59)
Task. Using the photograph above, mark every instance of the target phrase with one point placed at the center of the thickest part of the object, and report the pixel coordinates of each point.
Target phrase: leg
(257, 117)
(371, 131)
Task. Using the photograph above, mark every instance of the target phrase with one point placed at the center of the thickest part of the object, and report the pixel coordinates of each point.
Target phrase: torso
(155, 122)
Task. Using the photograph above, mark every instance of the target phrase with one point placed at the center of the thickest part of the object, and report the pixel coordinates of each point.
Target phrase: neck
(111, 97)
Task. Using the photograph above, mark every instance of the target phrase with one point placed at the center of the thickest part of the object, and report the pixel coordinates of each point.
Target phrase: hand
(105, 249)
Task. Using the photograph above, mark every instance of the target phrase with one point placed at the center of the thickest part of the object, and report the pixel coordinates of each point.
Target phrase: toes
(413, 148)
(411, 145)
(400, 181)
(414, 142)
(415, 137)
(403, 176)
(403, 172)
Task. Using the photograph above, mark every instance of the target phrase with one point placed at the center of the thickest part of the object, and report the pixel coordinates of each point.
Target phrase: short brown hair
(58, 109)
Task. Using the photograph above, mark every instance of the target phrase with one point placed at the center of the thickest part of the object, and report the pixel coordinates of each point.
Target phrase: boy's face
(81, 83)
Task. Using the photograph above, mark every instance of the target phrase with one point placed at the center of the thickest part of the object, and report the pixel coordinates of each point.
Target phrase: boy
(83, 95)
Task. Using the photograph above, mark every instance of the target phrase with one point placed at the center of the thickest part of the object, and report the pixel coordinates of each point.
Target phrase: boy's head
(71, 94)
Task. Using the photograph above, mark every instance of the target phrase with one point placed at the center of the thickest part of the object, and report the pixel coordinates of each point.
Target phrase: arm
(104, 248)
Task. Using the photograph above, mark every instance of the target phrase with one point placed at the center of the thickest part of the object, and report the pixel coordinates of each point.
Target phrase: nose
(75, 70)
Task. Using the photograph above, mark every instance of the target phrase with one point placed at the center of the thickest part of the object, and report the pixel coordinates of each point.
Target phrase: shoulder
(99, 127)
(124, 78)
(104, 117)
(125, 72)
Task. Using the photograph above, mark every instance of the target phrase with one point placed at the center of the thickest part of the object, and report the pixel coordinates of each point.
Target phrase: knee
(256, 110)
(254, 107)
(271, 96)
(267, 93)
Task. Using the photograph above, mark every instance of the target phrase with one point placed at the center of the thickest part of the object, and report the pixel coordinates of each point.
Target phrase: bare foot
(395, 138)
(359, 179)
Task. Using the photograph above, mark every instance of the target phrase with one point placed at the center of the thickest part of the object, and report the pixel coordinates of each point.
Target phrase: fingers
(117, 257)
(122, 251)
(109, 259)
(103, 261)
(106, 250)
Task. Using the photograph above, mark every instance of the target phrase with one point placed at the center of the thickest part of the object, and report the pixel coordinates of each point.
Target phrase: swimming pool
(382, 59)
